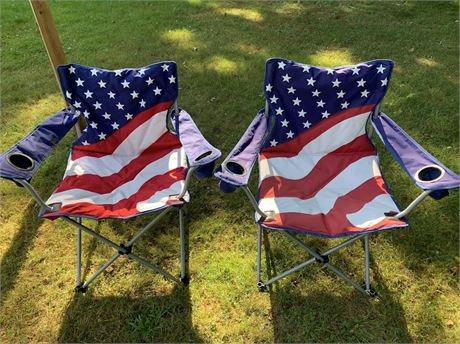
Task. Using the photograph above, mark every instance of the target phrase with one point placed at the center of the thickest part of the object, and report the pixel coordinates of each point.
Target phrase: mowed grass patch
(221, 48)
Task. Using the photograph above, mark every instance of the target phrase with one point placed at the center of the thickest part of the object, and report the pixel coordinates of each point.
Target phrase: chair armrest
(23, 159)
(200, 153)
(424, 169)
(237, 166)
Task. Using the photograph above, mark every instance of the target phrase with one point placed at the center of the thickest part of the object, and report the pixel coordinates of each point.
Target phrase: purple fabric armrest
(200, 153)
(427, 172)
(236, 168)
(24, 159)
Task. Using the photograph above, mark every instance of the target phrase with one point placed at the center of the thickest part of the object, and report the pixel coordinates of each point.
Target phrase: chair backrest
(112, 99)
(304, 99)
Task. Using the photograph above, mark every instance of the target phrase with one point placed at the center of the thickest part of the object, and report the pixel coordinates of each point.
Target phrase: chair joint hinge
(323, 259)
(125, 249)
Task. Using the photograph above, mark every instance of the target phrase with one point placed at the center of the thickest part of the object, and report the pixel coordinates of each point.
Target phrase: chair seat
(334, 196)
(120, 185)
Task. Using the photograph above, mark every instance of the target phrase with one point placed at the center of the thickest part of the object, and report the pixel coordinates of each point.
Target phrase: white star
(340, 94)
(94, 72)
(134, 94)
(306, 124)
(157, 91)
(311, 81)
(336, 83)
(320, 103)
(79, 82)
(315, 93)
(273, 143)
(325, 114)
(284, 123)
(77, 104)
(102, 136)
(364, 93)
(273, 99)
(142, 103)
(355, 70)
(118, 72)
(88, 94)
(111, 95)
(286, 78)
(384, 82)
(172, 79)
(77, 114)
(97, 105)
(128, 116)
(279, 111)
(149, 81)
(102, 84)
(68, 94)
(165, 67)
(361, 82)
(119, 105)
(115, 125)
(380, 69)
(125, 84)
(85, 143)
(93, 125)
(106, 115)
(142, 71)
(268, 88)
(306, 69)
(296, 101)
(290, 134)
(291, 89)
(330, 71)
(281, 65)
(86, 114)
(302, 113)
(345, 105)
(72, 70)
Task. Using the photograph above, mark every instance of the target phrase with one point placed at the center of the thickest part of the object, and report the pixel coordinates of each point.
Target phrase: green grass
(220, 48)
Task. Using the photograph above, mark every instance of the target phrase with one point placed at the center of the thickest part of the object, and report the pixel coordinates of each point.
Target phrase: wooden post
(49, 34)
(50, 37)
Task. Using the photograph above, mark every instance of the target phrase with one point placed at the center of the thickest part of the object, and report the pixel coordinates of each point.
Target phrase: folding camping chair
(135, 156)
(318, 169)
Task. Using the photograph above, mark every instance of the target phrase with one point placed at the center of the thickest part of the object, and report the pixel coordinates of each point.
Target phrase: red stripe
(108, 146)
(324, 171)
(335, 222)
(125, 207)
(94, 183)
(293, 147)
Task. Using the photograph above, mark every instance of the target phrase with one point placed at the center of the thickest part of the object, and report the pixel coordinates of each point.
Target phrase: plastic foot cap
(81, 289)
(185, 280)
(262, 287)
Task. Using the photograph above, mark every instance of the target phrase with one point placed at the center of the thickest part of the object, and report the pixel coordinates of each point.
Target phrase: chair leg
(260, 285)
(183, 273)
(78, 276)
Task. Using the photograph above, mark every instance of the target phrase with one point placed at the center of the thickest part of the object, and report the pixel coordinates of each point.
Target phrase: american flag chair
(319, 172)
(135, 156)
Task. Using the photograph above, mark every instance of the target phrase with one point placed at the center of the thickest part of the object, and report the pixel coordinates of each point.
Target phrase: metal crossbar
(317, 257)
(121, 249)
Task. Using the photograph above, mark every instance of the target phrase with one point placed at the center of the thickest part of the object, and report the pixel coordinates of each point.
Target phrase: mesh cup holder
(235, 168)
(429, 174)
(202, 156)
(21, 161)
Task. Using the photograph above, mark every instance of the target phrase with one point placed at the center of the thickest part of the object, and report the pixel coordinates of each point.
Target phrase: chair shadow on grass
(345, 316)
(15, 256)
(141, 316)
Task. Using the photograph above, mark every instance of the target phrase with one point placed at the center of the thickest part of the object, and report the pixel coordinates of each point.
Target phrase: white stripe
(373, 212)
(160, 198)
(349, 179)
(175, 159)
(136, 142)
(299, 166)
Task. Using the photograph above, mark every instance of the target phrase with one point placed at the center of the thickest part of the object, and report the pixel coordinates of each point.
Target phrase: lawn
(220, 48)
